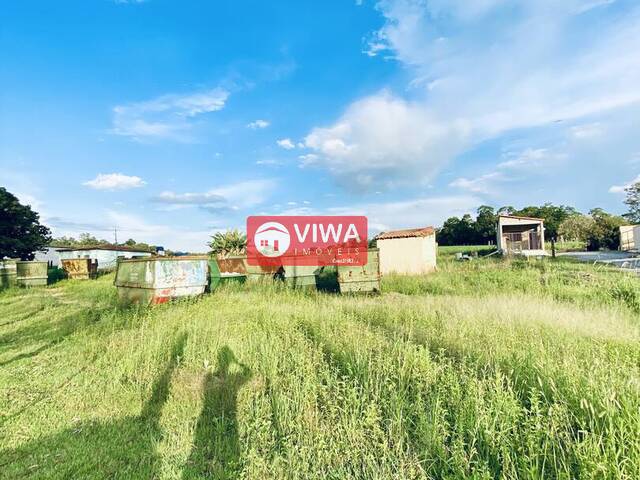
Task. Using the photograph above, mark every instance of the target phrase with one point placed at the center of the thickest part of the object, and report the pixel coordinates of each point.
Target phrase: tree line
(597, 229)
(88, 240)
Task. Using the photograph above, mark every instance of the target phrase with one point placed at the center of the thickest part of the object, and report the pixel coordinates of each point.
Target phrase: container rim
(165, 259)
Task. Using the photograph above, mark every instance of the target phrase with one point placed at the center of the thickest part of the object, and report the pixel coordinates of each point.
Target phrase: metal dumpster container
(154, 280)
(238, 266)
(7, 273)
(216, 278)
(232, 269)
(259, 273)
(301, 276)
(361, 278)
(80, 268)
(31, 273)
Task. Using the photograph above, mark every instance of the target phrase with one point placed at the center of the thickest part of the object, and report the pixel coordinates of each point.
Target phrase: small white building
(630, 238)
(521, 236)
(106, 256)
(410, 251)
(49, 255)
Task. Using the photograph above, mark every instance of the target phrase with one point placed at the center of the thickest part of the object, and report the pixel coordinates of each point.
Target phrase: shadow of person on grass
(216, 449)
(124, 448)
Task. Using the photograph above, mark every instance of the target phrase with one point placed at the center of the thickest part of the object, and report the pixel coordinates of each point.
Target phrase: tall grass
(486, 369)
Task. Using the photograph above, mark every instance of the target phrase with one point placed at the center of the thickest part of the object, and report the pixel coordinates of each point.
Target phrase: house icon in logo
(272, 239)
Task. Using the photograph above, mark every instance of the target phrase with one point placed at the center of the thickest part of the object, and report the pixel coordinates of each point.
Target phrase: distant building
(107, 256)
(521, 236)
(410, 251)
(630, 238)
(49, 255)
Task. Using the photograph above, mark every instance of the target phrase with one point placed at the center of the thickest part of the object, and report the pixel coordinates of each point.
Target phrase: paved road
(628, 261)
(607, 256)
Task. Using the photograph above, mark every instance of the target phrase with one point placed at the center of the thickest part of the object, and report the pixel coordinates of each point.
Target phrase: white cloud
(30, 200)
(485, 184)
(531, 159)
(114, 181)
(533, 64)
(525, 163)
(24, 187)
(190, 198)
(417, 212)
(585, 6)
(269, 162)
(374, 47)
(286, 143)
(129, 225)
(586, 131)
(234, 196)
(622, 188)
(134, 226)
(308, 159)
(258, 124)
(167, 116)
(384, 139)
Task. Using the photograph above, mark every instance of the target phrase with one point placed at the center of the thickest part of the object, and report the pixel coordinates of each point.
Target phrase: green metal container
(154, 280)
(7, 273)
(261, 273)
(213, 276)
(365, 278)
(216, 278)
(31, 274)
(301, 276)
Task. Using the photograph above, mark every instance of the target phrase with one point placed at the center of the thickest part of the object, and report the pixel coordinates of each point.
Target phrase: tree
(446, 235)
(63, 242)
(231, 242)
(633, 202)
(552, 215)
(507, 210)
(458, 231)
(485, 225)
(21, 234)
(606, 230)
(577, 228)
(88, 240)
(466, 231)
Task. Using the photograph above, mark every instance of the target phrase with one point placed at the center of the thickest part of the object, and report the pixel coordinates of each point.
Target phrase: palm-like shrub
(229, 243)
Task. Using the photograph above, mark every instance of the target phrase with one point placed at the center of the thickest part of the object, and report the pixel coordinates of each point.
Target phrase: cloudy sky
(173, 119)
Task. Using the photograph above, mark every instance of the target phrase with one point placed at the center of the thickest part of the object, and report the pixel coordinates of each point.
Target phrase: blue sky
(172, 120)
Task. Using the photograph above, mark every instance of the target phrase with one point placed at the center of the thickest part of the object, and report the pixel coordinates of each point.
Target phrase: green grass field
(485, 369)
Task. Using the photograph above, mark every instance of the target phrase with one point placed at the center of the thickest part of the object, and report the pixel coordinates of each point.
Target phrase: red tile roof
(407, 233)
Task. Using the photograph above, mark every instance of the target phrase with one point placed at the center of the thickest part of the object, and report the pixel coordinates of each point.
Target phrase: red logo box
(306, 240)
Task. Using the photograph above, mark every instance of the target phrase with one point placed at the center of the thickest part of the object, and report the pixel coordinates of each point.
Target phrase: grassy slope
(487, 368)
